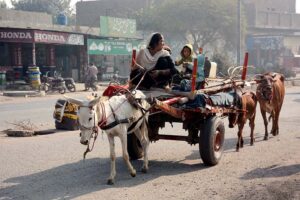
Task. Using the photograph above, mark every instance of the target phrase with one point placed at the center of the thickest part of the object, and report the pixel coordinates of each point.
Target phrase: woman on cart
(154, 66)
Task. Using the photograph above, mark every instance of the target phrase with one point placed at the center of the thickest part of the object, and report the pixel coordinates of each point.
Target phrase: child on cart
(186, 60)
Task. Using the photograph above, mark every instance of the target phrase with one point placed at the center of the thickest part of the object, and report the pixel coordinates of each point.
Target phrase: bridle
(100, 124)
(94, 135)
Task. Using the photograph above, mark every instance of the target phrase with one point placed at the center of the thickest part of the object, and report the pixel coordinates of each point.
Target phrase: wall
(273, 5)
(16, 18)
(272, 14)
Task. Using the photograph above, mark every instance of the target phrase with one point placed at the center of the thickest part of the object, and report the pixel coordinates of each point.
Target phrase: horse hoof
(266, 138)
(144, 170)
(110, 182)
(133, 174)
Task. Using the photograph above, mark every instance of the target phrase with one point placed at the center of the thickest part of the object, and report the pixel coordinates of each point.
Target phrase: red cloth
(111, 90)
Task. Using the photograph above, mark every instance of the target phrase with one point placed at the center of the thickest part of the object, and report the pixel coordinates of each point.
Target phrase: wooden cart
(204, 125)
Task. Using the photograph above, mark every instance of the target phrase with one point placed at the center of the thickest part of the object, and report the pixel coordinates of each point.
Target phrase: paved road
(51, 166)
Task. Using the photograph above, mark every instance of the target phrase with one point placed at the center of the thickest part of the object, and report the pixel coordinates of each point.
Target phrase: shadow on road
(272, 171)
(76, 179)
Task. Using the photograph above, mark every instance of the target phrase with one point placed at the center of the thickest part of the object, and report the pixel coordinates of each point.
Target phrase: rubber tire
(94, 88)
(67, 124)
(134, 147)
(62, 90)
(211, 153)
(71, 87)
(44, 87)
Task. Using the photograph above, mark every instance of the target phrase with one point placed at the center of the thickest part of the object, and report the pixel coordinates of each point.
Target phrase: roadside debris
(25, 128)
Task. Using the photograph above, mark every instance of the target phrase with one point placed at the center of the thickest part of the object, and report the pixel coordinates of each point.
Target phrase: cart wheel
(211, 142)
(134, 147)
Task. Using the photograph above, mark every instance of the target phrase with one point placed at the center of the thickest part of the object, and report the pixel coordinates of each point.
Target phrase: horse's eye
(90, 119)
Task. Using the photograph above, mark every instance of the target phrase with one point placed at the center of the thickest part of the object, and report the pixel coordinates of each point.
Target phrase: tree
(3, 4)
(51, 7)
(200, 22)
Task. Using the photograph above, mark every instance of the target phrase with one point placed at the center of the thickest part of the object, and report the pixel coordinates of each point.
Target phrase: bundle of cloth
(222, 99)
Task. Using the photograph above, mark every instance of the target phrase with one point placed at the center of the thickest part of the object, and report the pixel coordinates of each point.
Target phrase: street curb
(23, 93)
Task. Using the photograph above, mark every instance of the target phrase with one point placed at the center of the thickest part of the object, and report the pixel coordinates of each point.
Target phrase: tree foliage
(51, 7)
(200, 22)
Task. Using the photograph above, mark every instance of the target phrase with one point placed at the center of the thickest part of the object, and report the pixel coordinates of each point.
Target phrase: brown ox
(249, 102)
(270, 94)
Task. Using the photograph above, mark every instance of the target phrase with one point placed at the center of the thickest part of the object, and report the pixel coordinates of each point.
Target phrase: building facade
(32, 39)
(273, 33)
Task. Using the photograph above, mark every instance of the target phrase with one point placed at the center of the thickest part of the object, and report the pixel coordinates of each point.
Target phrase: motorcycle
(70, 84)
(91, 83)
(52, 84)
(118, 80)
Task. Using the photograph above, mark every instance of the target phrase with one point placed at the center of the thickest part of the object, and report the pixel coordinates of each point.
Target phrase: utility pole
(238, 53)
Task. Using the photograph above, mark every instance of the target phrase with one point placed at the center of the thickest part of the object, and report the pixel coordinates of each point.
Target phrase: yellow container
(34, 76)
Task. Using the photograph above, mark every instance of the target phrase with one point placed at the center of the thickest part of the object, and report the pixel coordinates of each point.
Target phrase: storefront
(49, 50)
(112, 55)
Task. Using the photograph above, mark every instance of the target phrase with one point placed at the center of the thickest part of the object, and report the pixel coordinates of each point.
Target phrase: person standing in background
(91, 74)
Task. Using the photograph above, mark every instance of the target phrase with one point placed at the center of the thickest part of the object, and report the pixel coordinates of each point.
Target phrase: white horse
(118, 117)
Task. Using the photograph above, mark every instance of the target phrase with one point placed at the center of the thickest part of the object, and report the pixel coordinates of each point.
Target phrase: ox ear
(94, 101)
(75, 101)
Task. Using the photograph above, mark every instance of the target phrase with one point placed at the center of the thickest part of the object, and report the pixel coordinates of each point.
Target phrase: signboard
(10, 35)
(117, 27)
(112, 47)
(58, 38)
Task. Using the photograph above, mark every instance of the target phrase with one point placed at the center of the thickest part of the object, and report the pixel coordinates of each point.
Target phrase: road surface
(51, 166)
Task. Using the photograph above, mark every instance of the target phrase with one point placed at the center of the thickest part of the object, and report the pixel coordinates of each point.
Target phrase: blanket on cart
(223, 99)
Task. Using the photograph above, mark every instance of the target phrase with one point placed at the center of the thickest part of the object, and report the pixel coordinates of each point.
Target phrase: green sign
(112, 47)
(117, 27)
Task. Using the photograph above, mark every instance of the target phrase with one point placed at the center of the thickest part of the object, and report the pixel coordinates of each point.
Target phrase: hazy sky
(74, 1)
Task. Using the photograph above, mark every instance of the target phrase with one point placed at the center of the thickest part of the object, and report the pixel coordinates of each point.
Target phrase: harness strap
(135, 123)
(141, 117)
(117, 122)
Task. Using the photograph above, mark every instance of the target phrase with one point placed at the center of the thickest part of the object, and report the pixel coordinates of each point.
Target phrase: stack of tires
(34, 76)
(65, 115)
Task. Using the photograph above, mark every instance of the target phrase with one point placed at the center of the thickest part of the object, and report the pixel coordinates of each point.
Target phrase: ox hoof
(110, 182)
(274, 133)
